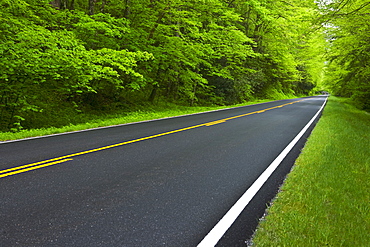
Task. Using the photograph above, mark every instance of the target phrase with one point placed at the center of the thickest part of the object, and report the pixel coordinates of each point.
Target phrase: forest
(62, 59)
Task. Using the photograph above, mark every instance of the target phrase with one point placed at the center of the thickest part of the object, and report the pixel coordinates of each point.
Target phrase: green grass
(325, 199)
(150, 113)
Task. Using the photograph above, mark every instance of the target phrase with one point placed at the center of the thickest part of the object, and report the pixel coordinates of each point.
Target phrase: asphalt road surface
(158, 183)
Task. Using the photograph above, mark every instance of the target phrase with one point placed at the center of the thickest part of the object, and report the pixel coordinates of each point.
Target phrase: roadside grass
(158, 111)
(325, 200)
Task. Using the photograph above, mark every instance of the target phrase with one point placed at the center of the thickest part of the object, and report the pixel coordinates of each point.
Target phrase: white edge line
(212, 238)
(145, 121)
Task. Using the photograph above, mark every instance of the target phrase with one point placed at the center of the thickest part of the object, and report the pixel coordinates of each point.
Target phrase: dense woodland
(66, 58)
(347, 25)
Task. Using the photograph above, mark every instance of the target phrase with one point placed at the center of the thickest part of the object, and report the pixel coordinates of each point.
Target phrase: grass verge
(150, 113)
(325, 199)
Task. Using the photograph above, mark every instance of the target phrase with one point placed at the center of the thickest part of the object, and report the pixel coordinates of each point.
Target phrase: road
(158, 183)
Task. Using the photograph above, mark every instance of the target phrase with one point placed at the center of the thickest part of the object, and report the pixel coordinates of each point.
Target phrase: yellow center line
(62, 159)
(32, 168)
(215, 122)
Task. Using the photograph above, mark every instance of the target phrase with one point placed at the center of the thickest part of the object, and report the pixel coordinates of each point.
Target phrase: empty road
(159, 183)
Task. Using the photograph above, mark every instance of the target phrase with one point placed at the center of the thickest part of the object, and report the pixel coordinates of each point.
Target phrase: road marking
(212, 238)
(65, 158)
(20, 170)
(215, 122)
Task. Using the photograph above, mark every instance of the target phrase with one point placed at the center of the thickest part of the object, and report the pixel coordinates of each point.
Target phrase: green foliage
(42, 70)
(348, 32)
(101, 31)
(136, 114)
(65, 58)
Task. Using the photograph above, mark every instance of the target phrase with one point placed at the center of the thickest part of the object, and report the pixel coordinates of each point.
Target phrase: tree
(348, 31)
(42, 69)
(68, 57)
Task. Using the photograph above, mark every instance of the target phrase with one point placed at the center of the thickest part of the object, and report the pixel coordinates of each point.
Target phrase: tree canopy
(67, 57)
(347, 25)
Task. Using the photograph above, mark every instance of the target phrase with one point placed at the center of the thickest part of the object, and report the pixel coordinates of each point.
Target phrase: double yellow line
(29, 167)
(66, 158)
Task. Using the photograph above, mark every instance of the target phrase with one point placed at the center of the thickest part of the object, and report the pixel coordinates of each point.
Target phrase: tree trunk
(247, 21)
(63, 4)
(55, 4)
(59, 4)
(71, 5)
(91, 6)
(103, 3)
(127, 8)
(153, 93)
